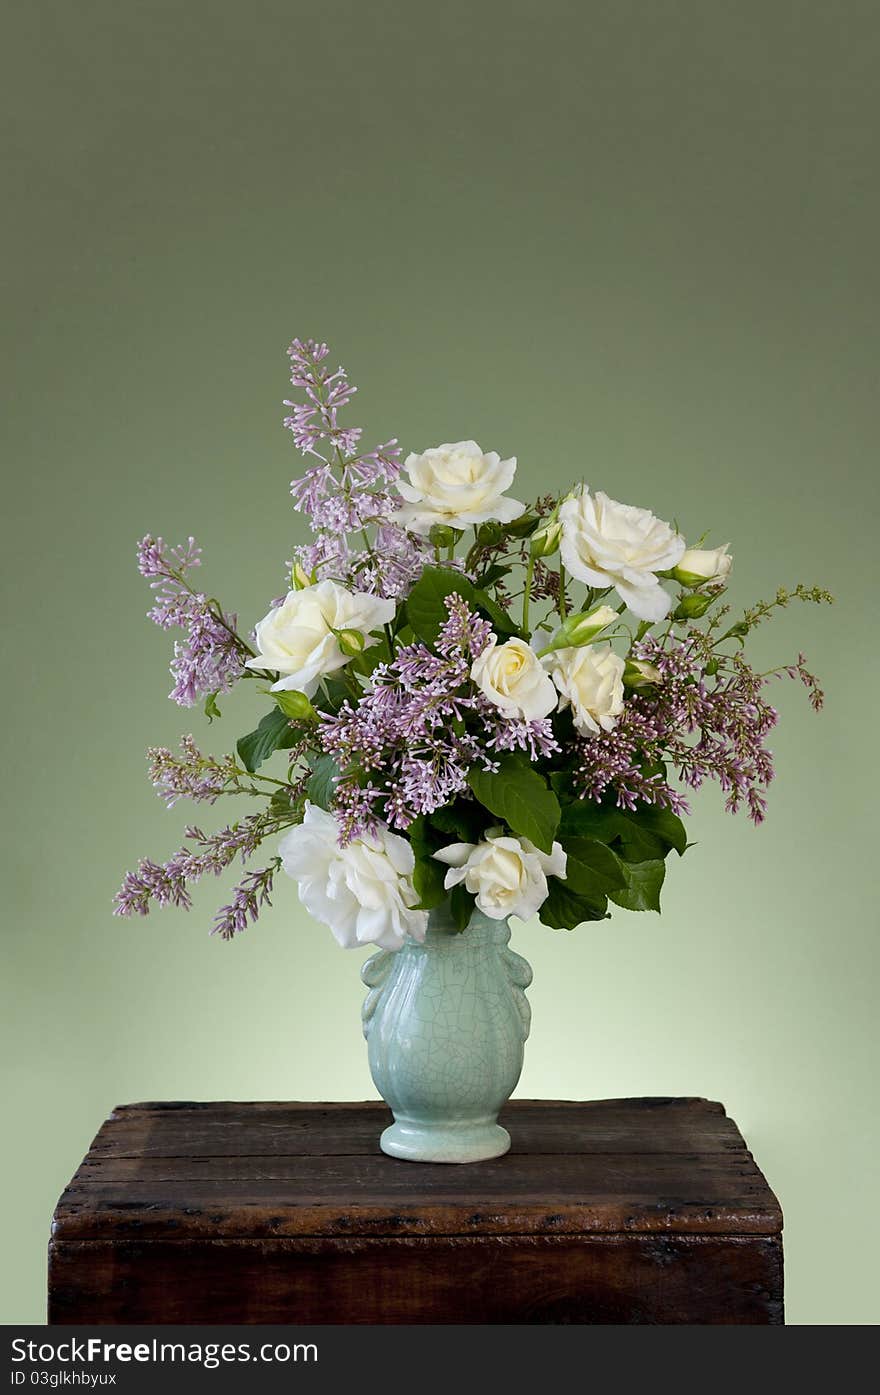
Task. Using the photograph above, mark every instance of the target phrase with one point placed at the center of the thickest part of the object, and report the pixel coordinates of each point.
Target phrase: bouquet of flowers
(469, 702)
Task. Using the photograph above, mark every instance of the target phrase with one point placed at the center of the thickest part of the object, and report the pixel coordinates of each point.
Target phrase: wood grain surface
(647, 1210)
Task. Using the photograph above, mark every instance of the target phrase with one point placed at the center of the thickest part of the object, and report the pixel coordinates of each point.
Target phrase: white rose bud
(300, 638)
(640, 674)
(545, 541)
(511, 677)
(296, 706)
(580, 629)
(300, 578)
(507, 875)
(700, 564)
(590, 681)
(605, 543)
(456, 485)
(351, 642)
(364, 892)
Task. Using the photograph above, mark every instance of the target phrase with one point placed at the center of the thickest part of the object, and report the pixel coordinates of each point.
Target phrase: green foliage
(428, 873)
(274, 733)
(522, 527)
(639, 836)
(426, 610)
(592, 868)
(211, 708)
(280, 803)
(462, 906)
(334, 691)
(614, 854)
(520, 796)
(322, 782)
(643, 883)
(369, 659)
(464, 820)
(494, 572)
(565, 909)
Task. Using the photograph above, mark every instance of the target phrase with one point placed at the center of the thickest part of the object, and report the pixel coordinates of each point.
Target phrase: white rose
(512, 678)
(590, 681)
(609, 544)
(363, 892)
(296, 639)
(456, 485)
(507, 875)
(701, 564)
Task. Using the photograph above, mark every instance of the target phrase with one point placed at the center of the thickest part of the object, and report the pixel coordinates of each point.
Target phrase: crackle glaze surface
(446, 1022)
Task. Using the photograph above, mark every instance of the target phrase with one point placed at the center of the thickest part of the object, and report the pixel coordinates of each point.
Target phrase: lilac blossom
(348, 492)
(248, 899)
(707, 727)
(211, 657)
(407, 747)
(190, 775)
(167, 884)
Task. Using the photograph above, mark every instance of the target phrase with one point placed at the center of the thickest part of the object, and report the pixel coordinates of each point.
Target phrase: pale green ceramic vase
(446, 1022)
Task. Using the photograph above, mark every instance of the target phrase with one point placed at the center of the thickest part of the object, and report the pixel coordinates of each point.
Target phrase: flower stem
(527, 591)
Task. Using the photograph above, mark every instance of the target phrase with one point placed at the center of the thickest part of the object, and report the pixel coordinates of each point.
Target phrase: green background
(635, 242)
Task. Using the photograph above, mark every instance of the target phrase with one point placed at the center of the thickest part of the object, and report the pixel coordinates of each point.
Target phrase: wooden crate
(615, 1211)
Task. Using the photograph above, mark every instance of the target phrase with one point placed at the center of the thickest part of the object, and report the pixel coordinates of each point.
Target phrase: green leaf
(561, 782)
(332, 694)
(520, 796)
(371, 658)
(523, 526)
(665, 825)
(643, 883)
(280, 802)
(211, 708)
(592, 868)
(496, 571)
(504, 624)
(322, 782)
(462, 906)
(428, 877)
(274, 733)
(464, 822)
(644, 835)
(428, 873)
(426, 609)
(586, 819)
(564, 909)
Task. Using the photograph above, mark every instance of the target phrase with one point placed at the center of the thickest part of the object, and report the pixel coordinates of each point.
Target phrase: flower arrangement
(471, 702)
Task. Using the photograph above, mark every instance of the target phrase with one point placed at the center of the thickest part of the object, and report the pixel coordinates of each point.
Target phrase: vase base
(444, 1143)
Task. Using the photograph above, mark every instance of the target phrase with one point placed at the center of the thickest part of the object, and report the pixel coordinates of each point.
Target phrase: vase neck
(480, 930)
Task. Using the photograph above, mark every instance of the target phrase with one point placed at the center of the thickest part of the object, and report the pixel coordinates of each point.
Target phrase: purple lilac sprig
(406, 748)
(706, 716)
(191, 774)
(253, 892)
(801, 674)
(168, 883)
(211, 657)
(346, 492)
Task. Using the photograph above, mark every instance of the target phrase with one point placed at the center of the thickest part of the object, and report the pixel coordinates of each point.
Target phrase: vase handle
(519, 976)
(374, 973)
